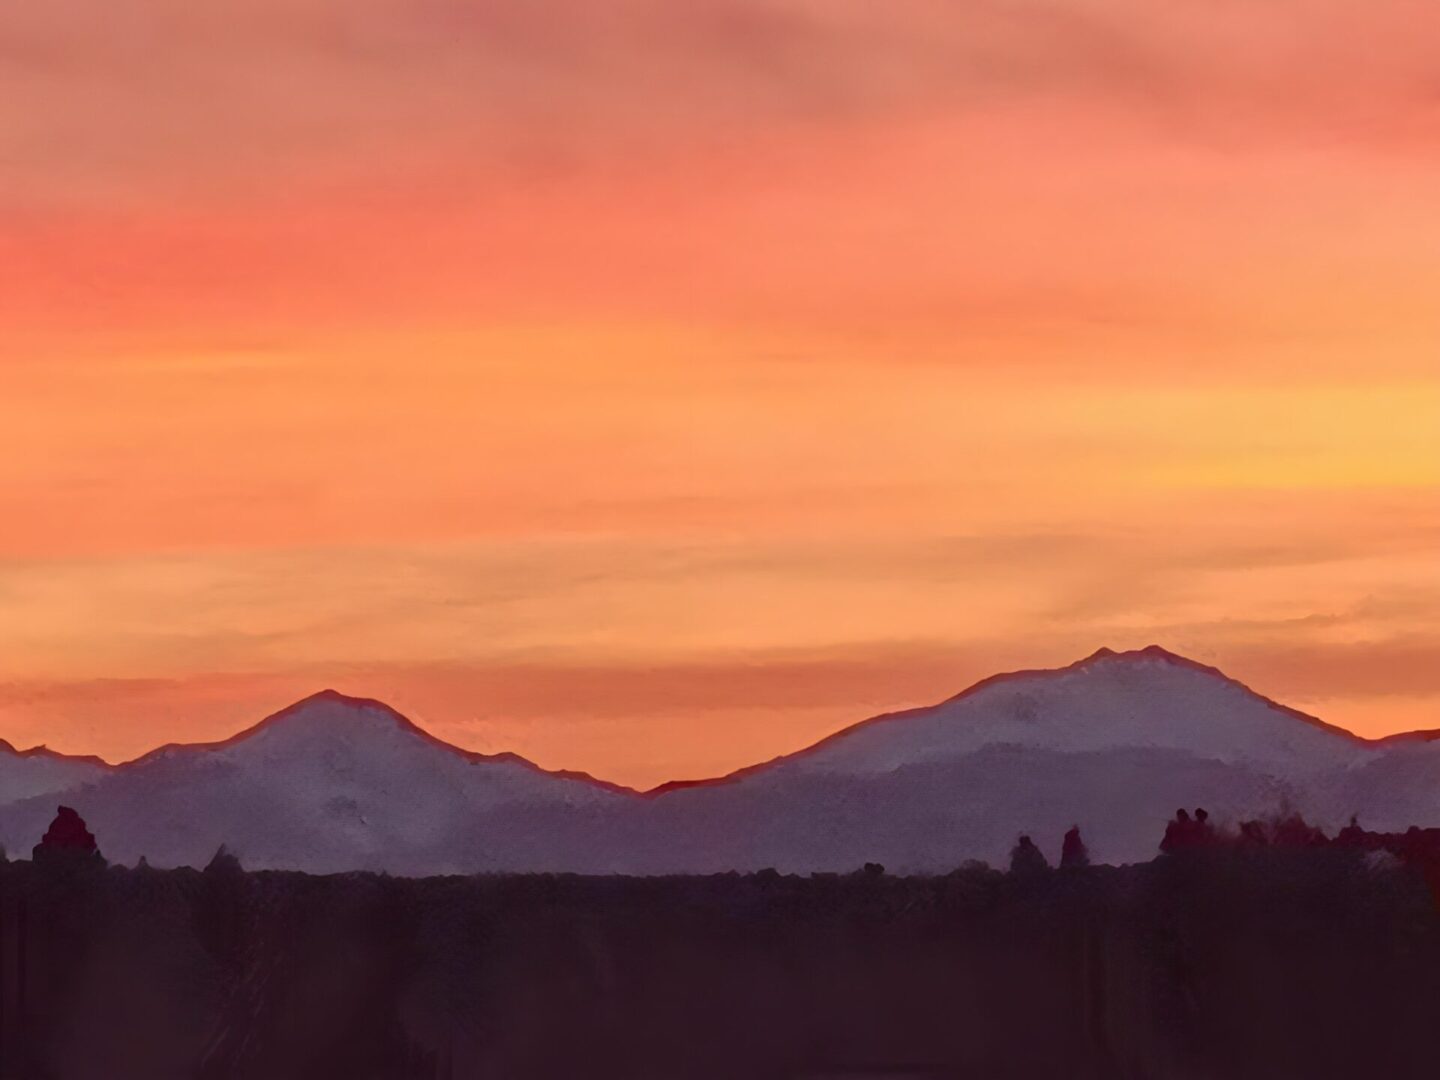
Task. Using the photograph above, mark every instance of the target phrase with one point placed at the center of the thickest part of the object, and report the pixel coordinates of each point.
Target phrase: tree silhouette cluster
(1026, 858)
(1185, 832)
(1155, 970)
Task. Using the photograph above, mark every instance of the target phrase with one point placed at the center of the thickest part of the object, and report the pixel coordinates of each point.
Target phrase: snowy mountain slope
(1113, 743)
(1392, 786)
(27, 773)
(932, 816)
(332, 783)
(1146, 699)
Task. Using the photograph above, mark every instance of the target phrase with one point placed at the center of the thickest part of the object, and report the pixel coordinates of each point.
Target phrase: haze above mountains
(1113, 743)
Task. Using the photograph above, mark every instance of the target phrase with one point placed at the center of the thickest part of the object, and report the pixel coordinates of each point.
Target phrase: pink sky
(650, 388)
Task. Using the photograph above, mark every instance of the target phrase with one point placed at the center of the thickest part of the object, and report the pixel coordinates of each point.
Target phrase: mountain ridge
(330, 695)
(40, 750)
(1020, 676)
(360, 704)
(1113, 742)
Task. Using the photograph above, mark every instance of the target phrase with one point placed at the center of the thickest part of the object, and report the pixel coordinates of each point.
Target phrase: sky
(651, 388)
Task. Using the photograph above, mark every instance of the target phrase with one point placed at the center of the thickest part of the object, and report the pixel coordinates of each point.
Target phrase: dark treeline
(1272, 951)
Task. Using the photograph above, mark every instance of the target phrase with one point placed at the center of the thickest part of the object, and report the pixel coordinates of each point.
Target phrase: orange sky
(650, 388)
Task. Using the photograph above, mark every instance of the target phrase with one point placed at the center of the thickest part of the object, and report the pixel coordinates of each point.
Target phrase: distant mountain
(1113, 743)
(40, 771)
(331, 783)
(1151, 699)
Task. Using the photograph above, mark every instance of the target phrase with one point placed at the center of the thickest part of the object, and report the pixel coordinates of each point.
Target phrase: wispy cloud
(184, 97)
(733, 342)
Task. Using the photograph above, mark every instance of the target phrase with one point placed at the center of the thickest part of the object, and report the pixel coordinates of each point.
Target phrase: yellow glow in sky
(654, 395)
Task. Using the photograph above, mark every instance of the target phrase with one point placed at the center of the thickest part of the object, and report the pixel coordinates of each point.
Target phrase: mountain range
(1113, 743)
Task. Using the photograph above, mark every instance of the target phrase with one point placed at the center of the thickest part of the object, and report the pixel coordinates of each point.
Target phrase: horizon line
(1152, 652)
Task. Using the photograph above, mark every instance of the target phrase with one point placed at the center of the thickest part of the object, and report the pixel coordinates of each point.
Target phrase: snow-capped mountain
(1150, 699)
(332, 783)
(1392, 786)
(40, 771)
(1113, 743)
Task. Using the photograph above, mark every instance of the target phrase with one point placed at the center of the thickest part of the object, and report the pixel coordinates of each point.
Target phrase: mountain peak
(1149, 652)
(330, 719)
(45, 753)
(1149, 697)
(337, 782)
(327, 712)
(335, 697)
(330, 708)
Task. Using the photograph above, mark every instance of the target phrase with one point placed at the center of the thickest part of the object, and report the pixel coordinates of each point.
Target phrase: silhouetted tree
(1179, 833)
(67, 842)
(1026, 858)
(1134, 971)
(1253, 835)
(1351, 835)
(225, 862)
(1073, 852)
(219, 909)
(1295, 831)
(1204, 832)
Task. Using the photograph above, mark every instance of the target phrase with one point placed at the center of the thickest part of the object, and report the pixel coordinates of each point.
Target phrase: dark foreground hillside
(1218, 964)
